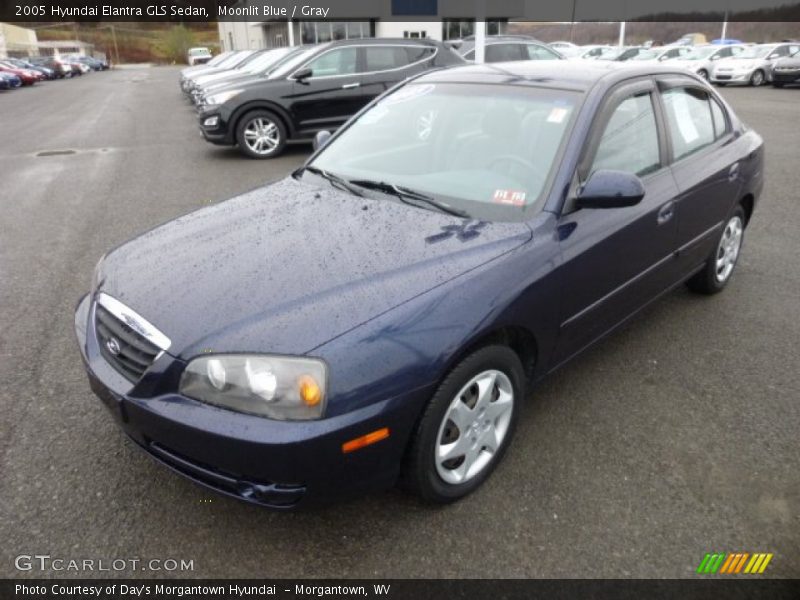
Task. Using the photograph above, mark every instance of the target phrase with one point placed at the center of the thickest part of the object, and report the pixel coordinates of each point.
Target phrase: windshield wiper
(409, 196)
(335, 181)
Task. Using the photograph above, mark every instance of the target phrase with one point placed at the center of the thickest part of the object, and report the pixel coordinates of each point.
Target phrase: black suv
(313, 89)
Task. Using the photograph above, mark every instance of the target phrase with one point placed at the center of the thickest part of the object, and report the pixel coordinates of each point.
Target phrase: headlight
(222, 97)
(98, 271)
(278, 387)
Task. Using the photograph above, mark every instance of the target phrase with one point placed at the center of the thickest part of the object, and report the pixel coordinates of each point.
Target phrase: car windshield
(755, 52)
(198, 52)
(481, 150)
(647, 55)
(611, 53)
(235, 59)
(264, 60)
(699, 53)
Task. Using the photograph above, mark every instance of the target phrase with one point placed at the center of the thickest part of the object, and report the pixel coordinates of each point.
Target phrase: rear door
(330, 96)
(616, 260)
(705, 167)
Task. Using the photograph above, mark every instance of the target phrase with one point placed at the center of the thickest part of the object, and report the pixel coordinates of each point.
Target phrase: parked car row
(17, 72)
(724, 62)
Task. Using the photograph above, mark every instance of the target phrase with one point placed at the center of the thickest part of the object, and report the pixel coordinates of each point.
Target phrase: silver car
(753, 66)
(701, 59)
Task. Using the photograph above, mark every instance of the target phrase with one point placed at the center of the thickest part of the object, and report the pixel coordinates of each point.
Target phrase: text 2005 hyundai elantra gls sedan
(380, 315)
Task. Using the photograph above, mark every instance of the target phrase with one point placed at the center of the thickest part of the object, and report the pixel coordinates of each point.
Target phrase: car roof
(379, 42)
(579, 76)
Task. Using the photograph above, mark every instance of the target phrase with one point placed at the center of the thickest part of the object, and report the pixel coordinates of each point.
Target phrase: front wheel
(467, 426)
(720, 265)
(703, 73)
(757, 78)
(261, 134)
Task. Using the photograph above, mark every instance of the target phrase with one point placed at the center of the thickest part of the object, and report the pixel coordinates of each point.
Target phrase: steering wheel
(527, 166)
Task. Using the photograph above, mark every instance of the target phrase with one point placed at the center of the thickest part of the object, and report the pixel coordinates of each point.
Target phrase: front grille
(132, 353)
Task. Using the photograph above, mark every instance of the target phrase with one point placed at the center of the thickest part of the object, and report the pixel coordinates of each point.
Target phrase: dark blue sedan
(381, 315)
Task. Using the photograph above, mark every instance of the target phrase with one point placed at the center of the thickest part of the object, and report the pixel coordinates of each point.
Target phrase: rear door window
(689, 119)
(384, 58)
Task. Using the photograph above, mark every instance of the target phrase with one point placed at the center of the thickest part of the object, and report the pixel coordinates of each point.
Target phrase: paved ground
(677, 436)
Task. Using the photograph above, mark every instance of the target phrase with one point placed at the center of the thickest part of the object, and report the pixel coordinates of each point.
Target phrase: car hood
(231, 81)
(289, 266)
(216, 76)
(793, 61)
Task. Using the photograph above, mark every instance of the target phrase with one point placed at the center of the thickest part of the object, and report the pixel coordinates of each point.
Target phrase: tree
(177, 42)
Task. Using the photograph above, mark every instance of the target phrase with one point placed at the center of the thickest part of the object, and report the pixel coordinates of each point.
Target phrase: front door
(330, 96)
(615, 260)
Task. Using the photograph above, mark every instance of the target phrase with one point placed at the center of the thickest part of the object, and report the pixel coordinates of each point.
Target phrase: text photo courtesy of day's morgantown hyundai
(406, 298)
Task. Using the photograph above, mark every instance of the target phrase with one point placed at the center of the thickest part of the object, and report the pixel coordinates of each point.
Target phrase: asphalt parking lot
(675, 437)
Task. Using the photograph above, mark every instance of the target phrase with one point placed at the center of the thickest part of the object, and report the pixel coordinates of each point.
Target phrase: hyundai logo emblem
(113, 346)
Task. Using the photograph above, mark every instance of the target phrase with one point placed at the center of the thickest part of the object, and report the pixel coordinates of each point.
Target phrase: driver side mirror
(610, 189)
(321, 139)
(303, 74)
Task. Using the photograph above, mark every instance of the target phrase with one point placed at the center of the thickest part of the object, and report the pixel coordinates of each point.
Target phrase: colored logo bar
(732, 563)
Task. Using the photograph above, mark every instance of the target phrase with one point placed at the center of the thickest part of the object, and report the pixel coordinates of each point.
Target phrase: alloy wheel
(728, 249)
(262, 136)
(474, 427)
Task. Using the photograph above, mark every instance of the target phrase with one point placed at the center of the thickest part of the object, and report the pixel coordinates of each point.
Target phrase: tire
(261, 134)
(757, 78)
(719, 268)
(487, 420)
(703, 73)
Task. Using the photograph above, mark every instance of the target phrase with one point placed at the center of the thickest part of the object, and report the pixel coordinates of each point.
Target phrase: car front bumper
(217, 132)
(731, 77)
(786, 76)
(279, 464)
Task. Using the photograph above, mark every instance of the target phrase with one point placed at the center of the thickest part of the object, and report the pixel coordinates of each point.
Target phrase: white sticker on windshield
(557, 115)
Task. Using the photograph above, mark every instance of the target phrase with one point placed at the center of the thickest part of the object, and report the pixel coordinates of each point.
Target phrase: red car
(27, 76)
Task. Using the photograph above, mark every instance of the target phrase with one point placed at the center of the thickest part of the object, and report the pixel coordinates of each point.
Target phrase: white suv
(198, 56)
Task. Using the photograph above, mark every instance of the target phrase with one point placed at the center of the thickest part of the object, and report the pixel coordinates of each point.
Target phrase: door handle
(666, 212)
(734, 172)
(351, 86)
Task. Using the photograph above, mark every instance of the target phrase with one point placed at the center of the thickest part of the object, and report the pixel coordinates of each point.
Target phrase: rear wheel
(261, 134)
(466, 427)
(720, 265)
(757, 78)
